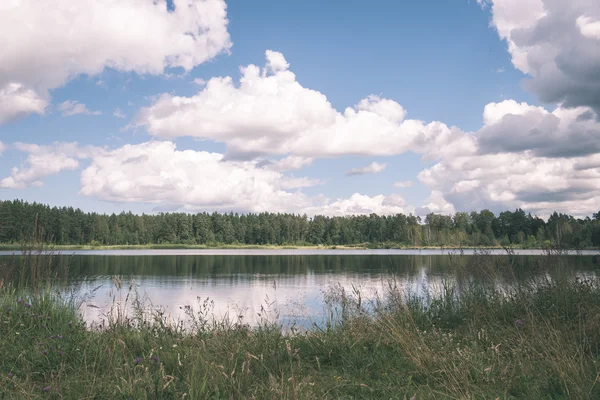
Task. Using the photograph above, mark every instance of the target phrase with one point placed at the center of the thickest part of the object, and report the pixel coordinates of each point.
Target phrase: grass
(474, 339)
(218, 246)
(17, 246)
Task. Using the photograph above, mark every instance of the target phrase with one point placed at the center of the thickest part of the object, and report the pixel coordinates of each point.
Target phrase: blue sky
(440, 60)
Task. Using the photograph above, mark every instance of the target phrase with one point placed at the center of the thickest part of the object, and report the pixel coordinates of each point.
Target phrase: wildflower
(43, 325)
(62, 353)
(27, 305)
(48, 317)
(60, 336)
(45, 352)
(519, 323)
(155, 358)
(20, 301)
(40, 316)
(138, 360)
(70, 323)
(10, 375)
(9, 309)
(52, 337)
(47, 388)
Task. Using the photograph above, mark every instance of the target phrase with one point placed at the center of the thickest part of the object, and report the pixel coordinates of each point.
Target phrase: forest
(70, 226)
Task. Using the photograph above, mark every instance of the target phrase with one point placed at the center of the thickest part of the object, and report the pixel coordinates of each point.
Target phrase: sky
(304, 107)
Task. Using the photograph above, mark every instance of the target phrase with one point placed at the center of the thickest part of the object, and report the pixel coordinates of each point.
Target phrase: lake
(284, 286)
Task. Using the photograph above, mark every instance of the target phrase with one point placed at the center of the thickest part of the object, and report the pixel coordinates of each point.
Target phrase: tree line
(70, 226)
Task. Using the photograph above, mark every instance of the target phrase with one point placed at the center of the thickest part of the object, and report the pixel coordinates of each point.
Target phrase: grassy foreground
(537, 341)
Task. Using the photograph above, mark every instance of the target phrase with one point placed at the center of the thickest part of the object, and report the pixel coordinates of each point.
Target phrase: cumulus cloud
(589, 27)
(526, 157)
(373, 168)
(511, 180)
(403, 184)
(86, 36)
(156, 172)
(436, 203)
(359, 204)
(43, 161)
(512, 127)
(556, 44)
(269, 112)
(70, 107)
(17, 101)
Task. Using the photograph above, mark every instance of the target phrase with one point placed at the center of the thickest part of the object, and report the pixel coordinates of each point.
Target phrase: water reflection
(284, 289)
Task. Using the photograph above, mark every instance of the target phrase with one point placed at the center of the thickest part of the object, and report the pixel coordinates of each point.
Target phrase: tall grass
(473, 338)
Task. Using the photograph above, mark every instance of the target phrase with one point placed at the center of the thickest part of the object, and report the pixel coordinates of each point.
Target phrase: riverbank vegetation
(67, 226)
(470, 338)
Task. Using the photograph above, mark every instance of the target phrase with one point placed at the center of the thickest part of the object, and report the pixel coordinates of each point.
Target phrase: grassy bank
(217, 246)
(220, 246)
(539, 340)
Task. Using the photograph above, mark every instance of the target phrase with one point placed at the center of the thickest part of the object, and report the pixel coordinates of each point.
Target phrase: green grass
(16, 246)
(538, 341)
(218, 246)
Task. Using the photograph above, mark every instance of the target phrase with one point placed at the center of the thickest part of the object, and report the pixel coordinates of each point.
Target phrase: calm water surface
(286, 286)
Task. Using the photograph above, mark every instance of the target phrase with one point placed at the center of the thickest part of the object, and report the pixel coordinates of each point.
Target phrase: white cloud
(556, 44)
(119, 114)
(269, 112)
(17, 101)
(2, 148)
(43, 161)
(525, 157)
(48, 47)
(373, 168)
(510, 180)
(509, 16)
(156, 172)
(70, 107)
(436, 203)
(276, 62)
(290, 163)
(512, 127)
(403, 184)
(359, 204)
(588, 27)
(494, 112)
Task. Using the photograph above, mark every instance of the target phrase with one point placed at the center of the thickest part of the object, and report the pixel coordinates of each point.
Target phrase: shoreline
(17, 247)
(286, 251)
